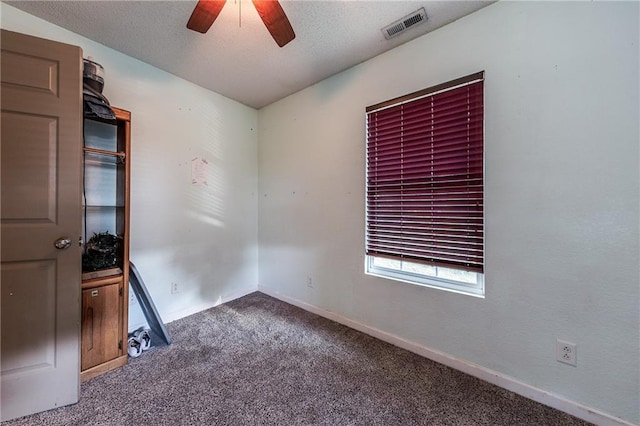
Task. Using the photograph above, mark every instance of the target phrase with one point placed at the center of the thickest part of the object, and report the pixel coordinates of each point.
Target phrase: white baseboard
(176, 315)
(499, 379)
(194, 309)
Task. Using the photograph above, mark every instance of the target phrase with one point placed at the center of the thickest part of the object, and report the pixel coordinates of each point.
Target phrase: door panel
(33, 193)
(29, 72)
(28, 294)
(41, 162)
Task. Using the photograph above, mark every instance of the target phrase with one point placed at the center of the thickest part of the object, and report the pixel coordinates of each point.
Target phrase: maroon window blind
(425, 176)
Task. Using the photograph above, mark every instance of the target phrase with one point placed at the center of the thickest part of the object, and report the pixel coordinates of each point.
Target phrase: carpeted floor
(260, 361)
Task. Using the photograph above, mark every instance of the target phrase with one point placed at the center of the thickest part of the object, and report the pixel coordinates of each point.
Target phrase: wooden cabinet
(100, 312)
(105, 260)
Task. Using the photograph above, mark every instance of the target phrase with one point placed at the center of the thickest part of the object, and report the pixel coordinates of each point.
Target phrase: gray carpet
(260, 361)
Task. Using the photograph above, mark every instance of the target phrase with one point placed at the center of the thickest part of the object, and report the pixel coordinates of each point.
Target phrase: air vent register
(403, 24)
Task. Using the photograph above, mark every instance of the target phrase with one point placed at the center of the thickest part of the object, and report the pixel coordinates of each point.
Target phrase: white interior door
(40, 208)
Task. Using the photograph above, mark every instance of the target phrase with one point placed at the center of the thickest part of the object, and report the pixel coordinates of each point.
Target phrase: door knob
(62, 243)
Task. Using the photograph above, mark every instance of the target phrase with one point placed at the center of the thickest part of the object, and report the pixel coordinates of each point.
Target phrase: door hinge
(120, 344)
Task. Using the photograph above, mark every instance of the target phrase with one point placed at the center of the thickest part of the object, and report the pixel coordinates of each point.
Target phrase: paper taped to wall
(199, 171)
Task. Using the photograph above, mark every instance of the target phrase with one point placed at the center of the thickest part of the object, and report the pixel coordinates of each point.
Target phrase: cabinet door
(101, 309)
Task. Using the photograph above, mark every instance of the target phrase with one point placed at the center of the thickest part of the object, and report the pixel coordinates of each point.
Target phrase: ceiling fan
(274, 18)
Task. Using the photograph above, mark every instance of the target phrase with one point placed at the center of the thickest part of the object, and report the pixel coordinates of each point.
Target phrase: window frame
(474, 289)
(426, 280)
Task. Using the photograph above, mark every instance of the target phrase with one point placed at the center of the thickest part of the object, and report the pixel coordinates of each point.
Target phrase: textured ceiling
(237, 57)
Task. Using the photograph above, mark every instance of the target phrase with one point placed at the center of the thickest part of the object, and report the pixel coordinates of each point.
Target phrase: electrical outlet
(309, 282)
(175, 288)
(566, 352)
(132, 298)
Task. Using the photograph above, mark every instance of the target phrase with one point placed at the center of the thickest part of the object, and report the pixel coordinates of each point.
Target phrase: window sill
(475, 290)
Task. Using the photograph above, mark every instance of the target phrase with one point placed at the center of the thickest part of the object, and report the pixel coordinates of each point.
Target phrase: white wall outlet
(132, 298)
(566, 352)
(309, 282)
(175, 288)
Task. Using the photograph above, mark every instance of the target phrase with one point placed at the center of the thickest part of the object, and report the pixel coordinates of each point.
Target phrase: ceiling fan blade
(275, 20)
(205, 12)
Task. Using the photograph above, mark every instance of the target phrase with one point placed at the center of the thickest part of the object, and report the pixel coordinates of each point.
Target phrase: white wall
(203, 238)
(561, 98)
(561, 193)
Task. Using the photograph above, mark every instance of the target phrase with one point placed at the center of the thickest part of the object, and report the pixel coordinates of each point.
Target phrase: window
(424, 206)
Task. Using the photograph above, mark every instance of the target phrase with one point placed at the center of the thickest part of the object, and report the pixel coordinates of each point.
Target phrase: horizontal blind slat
(425, 179)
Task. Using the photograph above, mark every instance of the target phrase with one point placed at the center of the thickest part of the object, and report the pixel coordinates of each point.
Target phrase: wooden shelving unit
(105, 290)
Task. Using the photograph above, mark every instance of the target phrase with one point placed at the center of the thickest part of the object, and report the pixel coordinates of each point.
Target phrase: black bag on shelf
(101, 251)
(95, 104)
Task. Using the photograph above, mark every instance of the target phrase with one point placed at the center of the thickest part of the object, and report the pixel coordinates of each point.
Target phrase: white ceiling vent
(403, 24)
